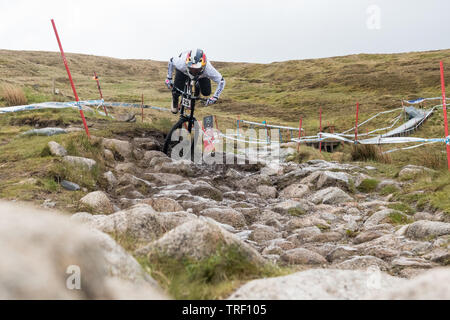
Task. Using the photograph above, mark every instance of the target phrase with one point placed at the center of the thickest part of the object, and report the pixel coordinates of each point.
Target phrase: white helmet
(195, 62)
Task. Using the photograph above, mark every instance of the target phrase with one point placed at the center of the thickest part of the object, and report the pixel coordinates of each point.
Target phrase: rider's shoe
(174, 108)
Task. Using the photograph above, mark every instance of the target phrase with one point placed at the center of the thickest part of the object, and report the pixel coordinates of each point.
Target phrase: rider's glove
(211, 101)
(169, 83)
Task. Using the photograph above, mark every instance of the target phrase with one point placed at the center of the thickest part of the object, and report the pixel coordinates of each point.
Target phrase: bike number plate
(186, 103)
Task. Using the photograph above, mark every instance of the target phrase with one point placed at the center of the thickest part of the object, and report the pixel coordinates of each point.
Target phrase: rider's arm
(215, 76)
(170, 69)
(178, 62)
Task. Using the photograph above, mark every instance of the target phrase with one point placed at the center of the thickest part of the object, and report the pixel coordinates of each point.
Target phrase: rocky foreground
(310, 215)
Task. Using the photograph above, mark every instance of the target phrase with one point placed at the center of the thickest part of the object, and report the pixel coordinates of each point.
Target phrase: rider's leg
(180, 80)
(205, 86)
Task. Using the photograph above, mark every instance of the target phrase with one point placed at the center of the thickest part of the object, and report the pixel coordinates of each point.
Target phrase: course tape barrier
(417, 119)
(75, 104)
(420, 100)
(51, 105)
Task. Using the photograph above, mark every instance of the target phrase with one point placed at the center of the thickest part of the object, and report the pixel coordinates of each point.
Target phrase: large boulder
(318, 284)
(199, 239)
(44, 252)
(97, 202)
(141, 223)
(425, 229)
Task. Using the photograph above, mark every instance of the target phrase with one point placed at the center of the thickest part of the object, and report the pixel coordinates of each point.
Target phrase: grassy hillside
(278, 92)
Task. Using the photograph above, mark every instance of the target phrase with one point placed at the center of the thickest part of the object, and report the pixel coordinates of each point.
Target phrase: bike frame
(188, 99)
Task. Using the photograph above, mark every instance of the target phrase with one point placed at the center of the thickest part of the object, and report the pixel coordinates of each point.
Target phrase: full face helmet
(195, 62)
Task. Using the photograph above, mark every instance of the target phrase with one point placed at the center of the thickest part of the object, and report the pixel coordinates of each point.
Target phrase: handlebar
(189, 96)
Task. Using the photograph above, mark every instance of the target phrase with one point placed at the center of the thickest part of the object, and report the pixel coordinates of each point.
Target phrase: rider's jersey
(210, 72)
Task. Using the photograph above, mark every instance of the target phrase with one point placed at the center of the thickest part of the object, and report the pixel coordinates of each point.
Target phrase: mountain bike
(188, 121)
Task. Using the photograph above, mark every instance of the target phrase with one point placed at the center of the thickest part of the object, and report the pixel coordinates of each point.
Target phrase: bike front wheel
(179, 143)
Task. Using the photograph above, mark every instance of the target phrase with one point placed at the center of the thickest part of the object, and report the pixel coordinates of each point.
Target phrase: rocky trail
(311, 216)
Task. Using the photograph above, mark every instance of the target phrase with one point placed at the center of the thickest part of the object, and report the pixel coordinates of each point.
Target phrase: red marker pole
(100, 90)
(299, 134)
(444, 104)
(70, 78)
(142, 108)
(356, 126)
(320, 124)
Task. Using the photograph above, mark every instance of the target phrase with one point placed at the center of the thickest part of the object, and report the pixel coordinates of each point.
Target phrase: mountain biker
(194, 65)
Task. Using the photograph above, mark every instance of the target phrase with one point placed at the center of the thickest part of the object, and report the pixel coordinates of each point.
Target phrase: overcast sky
(228, 30)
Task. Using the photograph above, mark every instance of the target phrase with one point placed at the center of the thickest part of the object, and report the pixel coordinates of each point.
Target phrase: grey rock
(141, 222)
(225, 215)
(331, 195)
(318, 284)
(302, 256)
(127, 167)
(123, 148)
(111, 179)
(411, 262)
(295, 191)
(331, 236)
(432, 285)
(363, 263)
(56, 149)
(181, 167)
(150, 155)
(424, 229)
(147, 143)
(411, 171)
(377, 217)
(163, 204)
(70, 185)
(341, 253)
(262, 233)
(43, 249)
(80, 161)
(164, 179)
(367, 236)
(267, 192)
(285, 206)
(199, 239)
(109, 156)
(98, 202)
